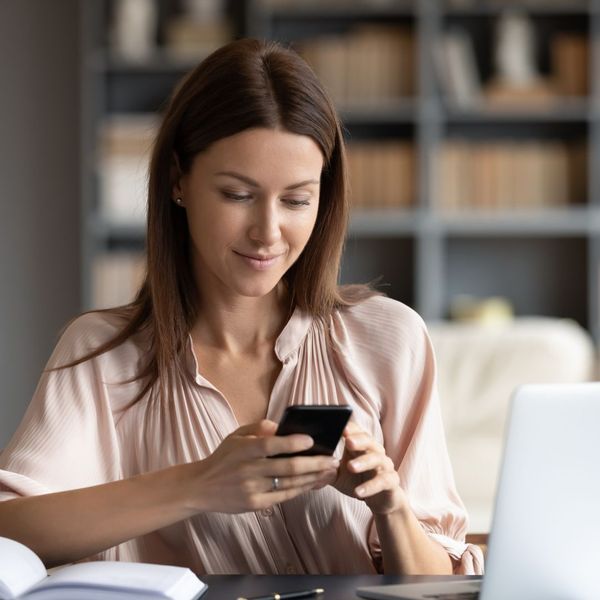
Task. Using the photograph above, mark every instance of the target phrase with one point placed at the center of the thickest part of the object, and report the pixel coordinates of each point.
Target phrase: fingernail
(307, 442)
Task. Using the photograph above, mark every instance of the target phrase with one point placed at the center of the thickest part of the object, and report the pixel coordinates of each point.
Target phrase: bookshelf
(482, 181)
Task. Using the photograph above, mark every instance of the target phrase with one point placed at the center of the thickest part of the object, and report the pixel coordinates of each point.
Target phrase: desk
(337, 587)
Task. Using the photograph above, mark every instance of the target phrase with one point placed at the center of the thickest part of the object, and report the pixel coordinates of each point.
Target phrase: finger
(298, 481)
(284, 495)
(382, 482)
(371, 461)
(363, 442)
(260, 428)
(328, 478)
(286, 444)
(351, 428)
(298, 465)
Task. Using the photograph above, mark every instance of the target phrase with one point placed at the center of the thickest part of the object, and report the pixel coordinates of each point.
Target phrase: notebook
(545, 538)
(23, 575)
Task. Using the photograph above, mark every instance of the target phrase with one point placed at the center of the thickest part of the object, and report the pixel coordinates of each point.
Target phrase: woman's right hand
(238, 476)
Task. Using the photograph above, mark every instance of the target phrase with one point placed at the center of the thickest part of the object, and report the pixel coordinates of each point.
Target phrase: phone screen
(324, 424)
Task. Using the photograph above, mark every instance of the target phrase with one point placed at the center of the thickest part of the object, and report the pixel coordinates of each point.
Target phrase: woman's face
(251, 201)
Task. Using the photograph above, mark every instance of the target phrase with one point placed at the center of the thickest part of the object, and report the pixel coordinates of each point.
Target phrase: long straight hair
(245, 84)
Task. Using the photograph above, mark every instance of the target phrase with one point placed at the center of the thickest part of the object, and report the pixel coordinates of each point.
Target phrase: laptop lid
(545, 540)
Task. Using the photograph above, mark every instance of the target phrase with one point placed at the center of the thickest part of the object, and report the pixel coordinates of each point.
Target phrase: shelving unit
(545, 260)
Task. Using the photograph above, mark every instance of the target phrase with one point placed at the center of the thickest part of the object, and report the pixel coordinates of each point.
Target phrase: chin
(256, 291)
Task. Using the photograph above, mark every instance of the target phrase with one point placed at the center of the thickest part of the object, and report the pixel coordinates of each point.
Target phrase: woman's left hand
(367, 473)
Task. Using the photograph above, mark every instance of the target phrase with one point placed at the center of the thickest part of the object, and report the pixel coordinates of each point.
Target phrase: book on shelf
(23, 575)
(457, 67)
(570, 63)
(368, 66)
(382, 173)
(511, 175)
(125, 144)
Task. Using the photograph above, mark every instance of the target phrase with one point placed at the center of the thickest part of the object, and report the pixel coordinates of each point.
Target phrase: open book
(23, 575)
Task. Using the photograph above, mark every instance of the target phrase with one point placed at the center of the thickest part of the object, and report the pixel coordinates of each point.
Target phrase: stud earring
(178, 201)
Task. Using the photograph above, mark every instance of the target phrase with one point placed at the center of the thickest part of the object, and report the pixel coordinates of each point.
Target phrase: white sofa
(479, 366)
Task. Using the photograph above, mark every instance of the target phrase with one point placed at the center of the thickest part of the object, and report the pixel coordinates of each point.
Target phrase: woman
(149, 434)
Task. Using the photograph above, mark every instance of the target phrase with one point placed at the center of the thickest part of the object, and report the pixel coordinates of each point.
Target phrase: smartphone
(324, 424)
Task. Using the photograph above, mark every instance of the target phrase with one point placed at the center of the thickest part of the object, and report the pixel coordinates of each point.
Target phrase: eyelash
(244, 197)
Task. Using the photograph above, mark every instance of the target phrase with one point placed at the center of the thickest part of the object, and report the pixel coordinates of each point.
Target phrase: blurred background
(473, 132)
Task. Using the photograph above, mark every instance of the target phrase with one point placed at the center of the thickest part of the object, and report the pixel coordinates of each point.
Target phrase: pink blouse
(78, 431)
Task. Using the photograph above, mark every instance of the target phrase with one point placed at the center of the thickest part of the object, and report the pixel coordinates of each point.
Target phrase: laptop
(545, 538)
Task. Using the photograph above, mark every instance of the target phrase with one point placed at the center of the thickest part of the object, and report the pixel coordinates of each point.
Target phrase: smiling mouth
(259, 262)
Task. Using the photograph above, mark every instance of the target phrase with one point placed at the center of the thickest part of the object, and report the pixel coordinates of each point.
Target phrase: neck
(242, 325)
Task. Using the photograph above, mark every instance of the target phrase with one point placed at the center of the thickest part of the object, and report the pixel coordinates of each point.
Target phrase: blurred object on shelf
(125, 143)
(368, 66)
(339, 4)
(501, 175)
(116, 278)
(134, 29)
(201, 28)
(382, 173)
(485, 311)
(517, 79)
(570, 63)
(457, 68)
(498, 94)
(514, 52)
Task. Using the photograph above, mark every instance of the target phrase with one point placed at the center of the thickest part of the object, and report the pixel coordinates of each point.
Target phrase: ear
(176, 176)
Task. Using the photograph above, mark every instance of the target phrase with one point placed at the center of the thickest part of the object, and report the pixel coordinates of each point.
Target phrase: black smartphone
(324, 424)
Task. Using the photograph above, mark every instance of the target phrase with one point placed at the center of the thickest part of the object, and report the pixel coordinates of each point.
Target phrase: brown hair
(245, 84)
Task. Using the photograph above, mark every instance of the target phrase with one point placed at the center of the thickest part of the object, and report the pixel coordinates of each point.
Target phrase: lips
(261, 257)
(259, 261)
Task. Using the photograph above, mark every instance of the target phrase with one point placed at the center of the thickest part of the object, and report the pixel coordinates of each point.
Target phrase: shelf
(546, 260)
(563, 111)
(333, 9)
(399, 111)
(383, 222)
(547, 222)
(160, 62)
(107, 234)
(532, 7)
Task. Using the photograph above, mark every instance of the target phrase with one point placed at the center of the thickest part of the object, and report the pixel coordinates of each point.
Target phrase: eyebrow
(256, 184)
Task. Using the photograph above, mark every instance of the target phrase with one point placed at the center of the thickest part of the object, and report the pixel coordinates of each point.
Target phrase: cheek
(213, 223)
(307, 226)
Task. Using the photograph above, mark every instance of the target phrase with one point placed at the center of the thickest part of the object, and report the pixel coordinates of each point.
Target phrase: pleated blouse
(79, 431)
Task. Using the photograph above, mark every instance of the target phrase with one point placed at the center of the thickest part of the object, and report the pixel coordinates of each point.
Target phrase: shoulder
(380, 321)
(88, 332)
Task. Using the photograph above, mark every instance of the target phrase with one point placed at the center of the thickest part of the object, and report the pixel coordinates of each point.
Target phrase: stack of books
(368, 66)
(505, 175)
(382, 174)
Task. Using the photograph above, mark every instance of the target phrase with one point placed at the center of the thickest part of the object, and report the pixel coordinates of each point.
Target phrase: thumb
(260, 429)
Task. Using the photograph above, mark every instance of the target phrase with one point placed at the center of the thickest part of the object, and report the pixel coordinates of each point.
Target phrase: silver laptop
(545, 538)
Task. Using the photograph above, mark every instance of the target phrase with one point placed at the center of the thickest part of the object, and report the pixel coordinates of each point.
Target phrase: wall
(39, 191)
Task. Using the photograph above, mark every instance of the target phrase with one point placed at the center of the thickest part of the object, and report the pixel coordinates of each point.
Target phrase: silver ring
(274, 484)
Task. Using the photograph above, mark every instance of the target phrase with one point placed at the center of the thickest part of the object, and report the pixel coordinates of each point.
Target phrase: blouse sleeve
(413, 435)
(67, 438)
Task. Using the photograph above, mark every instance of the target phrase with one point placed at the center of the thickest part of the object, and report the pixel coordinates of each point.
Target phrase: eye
(236, 197)
(297, 202)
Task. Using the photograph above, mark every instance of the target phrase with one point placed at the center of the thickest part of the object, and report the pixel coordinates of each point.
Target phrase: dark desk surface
(337, 587)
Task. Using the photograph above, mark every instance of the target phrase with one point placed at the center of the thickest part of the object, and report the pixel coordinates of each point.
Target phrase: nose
(265, 228)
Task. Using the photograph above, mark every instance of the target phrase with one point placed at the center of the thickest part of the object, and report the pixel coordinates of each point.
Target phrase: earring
(178, 201)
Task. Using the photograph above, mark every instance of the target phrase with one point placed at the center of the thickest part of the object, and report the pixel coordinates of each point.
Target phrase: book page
(20, 568)
(112, 576)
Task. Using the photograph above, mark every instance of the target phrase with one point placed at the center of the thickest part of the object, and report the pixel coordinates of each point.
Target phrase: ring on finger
(274, 484)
